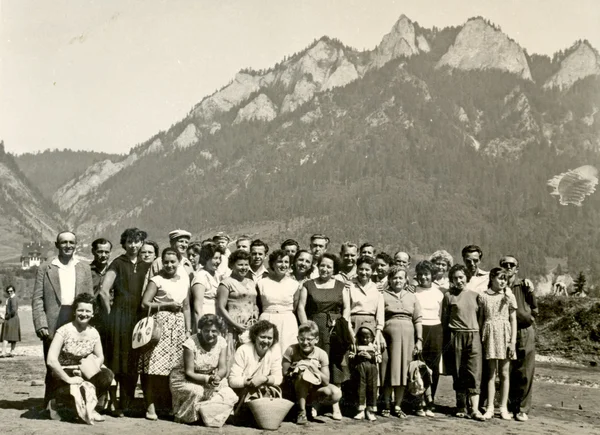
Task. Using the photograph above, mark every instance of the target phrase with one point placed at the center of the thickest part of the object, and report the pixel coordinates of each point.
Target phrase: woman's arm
(346, 308)
(301, 309)
(188, 367)
(419, 337)
(98, 351)
(513, 329)
(52, 361)
(221, 307)
(187, 317)
(107, 284)
(222, 368)
(236, 374)
(198, 302)
(296, 298)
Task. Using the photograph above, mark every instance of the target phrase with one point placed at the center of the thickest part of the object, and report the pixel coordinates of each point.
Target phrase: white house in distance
(34, 254)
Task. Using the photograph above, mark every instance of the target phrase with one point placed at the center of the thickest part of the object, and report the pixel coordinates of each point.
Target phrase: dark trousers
(48, 378)
(465, 359)
(522, 371)
(367, 384)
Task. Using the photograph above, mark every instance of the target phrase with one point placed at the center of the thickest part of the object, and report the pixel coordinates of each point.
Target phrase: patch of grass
(569, 327)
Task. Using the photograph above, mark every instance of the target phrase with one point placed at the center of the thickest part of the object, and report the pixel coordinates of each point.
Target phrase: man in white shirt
(478, 279)
(57, 283)
(258, 254)
(222, 240)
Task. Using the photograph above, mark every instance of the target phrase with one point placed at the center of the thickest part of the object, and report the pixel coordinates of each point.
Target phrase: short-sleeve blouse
(402, 305)
(75, 347)
(171, 289)
(205, 361)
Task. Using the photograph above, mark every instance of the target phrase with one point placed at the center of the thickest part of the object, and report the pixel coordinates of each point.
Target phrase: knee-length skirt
(287, 327)
(399, 335)
(168, 352)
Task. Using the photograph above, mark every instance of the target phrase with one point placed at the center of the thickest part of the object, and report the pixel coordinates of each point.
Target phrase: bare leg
(491, 385)
(504, 373)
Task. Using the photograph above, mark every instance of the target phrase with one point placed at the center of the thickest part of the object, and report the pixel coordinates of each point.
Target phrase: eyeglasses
(508, 265)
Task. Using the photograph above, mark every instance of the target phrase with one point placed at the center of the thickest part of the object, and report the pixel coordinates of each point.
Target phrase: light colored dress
(496, 331)
(167, 353)
(210, 284)
(277, 300)
(242, 308)
(187, 395)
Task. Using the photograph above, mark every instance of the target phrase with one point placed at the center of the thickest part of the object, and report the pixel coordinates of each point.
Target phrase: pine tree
(580, 283)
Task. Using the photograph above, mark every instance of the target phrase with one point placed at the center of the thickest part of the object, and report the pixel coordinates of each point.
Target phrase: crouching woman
(201, 375)
(75, 358)
(306, 367)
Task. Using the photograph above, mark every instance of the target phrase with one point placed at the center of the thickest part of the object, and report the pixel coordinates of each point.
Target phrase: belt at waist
(277, 311)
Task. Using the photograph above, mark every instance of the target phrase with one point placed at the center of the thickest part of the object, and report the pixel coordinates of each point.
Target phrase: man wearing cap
(57, 283)
(179, 240)
(318, 246)
(477, 279)
(523, 368)
(221, 239)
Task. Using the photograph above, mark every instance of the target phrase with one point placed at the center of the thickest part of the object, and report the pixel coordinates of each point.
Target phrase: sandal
(385, 413)
(461, 413)
(399, 413)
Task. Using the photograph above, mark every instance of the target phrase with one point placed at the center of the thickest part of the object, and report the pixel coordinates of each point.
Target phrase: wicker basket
(269, 412)
(214, 414)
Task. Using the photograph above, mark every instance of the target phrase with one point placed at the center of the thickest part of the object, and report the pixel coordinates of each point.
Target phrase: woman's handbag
(269, 412)
(89, 366)
(147, 332)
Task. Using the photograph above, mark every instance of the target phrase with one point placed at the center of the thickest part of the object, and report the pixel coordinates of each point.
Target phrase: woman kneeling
(307, 368)
(75, 357)
(201, 377)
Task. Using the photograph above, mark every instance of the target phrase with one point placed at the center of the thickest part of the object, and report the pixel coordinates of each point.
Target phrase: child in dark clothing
(364, 361)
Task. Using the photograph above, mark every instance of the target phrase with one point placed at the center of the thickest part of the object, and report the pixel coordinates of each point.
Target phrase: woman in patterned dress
(324, 300)
(201, 374)
(278, 299)
(236, 302)
(498, 307)
(126, 275)
(167, 297)
(71, 344)
(206, 280)
(403, 334)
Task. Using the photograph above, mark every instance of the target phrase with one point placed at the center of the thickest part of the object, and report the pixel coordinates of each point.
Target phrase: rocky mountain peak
(481, 46)
(401, 41)
(583, 61)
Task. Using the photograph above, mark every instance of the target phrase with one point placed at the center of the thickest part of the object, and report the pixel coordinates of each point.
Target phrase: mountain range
(435, 138)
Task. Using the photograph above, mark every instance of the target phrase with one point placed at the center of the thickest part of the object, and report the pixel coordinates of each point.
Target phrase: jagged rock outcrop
(402, 41)
(259, 109)
(479, 46)
(243, 85)
(187, 138)
(582, 62)
(303, 93)
(155, 147)
(73, 191)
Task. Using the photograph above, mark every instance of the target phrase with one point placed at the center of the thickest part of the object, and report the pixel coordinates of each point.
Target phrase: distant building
(34, 254)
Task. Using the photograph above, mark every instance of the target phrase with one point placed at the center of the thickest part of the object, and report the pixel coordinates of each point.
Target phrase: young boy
(365, 362)
(460, 309)
(307, 368)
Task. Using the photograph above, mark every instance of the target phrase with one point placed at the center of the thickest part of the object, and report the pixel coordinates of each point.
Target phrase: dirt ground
(566, 399)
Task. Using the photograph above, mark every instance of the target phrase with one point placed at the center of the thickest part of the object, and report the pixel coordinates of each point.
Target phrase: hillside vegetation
(50, 169)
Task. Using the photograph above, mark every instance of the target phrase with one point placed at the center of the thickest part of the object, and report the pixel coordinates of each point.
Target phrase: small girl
(11, 328)
(499, 335)
(364, 362)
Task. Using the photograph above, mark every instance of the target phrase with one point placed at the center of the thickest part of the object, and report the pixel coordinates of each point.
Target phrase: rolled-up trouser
(465, 355)
(522, 371)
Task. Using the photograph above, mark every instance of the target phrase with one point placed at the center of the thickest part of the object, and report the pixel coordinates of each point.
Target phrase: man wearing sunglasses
(522, 370)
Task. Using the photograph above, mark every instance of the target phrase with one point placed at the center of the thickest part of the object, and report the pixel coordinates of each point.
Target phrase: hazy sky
(107, 74)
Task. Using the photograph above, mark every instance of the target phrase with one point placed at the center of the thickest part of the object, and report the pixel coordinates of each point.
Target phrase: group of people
(321, 329)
